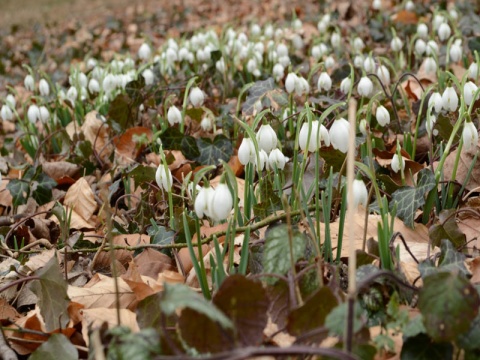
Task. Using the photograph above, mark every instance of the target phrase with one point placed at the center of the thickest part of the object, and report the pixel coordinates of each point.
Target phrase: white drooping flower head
(277, 159)
(450, 99)
(290, 82)
(396, 44)
(444, 31)
(469, 92)
(473, 70)
(29, 82)
(261, 161)
(144, 52)
(384, 75)
(33, 113)
(430, 65)
(398, 163)
(164, 178)
(437, 101)
(360, 193)
(221, 203)
(174, 115)
(420, 46)
(345, 85)
(6, 113)
(382, 115)
(365, 86)
(10, 101)
(339, 134)
(148, 76)
(324, 82)
(202, 201)
(246, 152)
(44, 114)
(422, 31)
(196, 97)
(267, 138)
(469, 136)
(206, 123)
(318, 133)
(93, 86)
(456, 51)
(44, 87)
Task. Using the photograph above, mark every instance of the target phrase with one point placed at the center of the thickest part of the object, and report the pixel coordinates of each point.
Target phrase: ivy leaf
(447, 228)
(58, 346)
(42, 188)
(421, 347)
(189, 148)
(408, 199)
(260, 90)
(142, 174)
(211, 152)
(51, 291)
(195, 113)
(276, 253)
(172, 139)
(20, 190)
(180, 296)
(119, 110)
(448, 303)
(124, 344)
(450, 260)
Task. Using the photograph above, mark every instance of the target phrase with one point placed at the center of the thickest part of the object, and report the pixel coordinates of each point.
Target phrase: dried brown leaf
(81, 198)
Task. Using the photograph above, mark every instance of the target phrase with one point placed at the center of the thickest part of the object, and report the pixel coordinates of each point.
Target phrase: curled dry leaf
(81, 198)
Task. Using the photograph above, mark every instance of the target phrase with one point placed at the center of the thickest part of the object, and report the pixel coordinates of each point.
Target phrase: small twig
(43, 242)
(18, 281)
(399, 234)
(10, 232)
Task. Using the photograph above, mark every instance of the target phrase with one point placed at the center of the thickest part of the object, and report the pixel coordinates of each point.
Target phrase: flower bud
(410, 6)
(432, 48)
(202, 201)
(420, 46)
(33, 113)
(398, 163)
(6, 113)
(473, 70)
(384, 75)
(455, 52)
(324, 82)
(363, 127)
(246, 152)
(422, 31)
(360, 193)
(206, 124)
(396, 44)
(44, 87)
(174, 115)
(437, 101)
(365, 87)
(377, 4)
(290, 82)
(369, 64)
(29, 82)
(93, 86)
(468, 92)
(148, 76)
(382, 115)
(339, 133)
(261, 161)
(345, 85)
(10, 101)
(144, 52)
(335, 40)
(358, 44)
(430, 65)
(450, 99)
(196, 97)
(444, 31)
(44, 114)
(469, 136)
(164, 178)
(72, 94)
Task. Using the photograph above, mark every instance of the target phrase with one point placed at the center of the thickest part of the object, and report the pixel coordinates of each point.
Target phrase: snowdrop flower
(345, 85)
(410, 6)
(384, 75)
(468, 92)
(109, 83)
(398, 163)
(220, 65)
(360, 193)
(282, 50)
(144, 52)
(261, 161)
(255, 30)
(44, 87)
(174, 115)
(363, 127)
(297, 24)
(444, 31)
(453, 13)
(72, 95)
(91, 63)
(377, 4)
(318, 133)
(246, 152)
(297, 42)
(358, 44)
(420, 46)
(335, 40)
(369, 64)
(6, 113)
(278, 71)
(301, 86)
(422, 31)
(450, 99)
(329, 62)
(396, 44)
(267, 138)
(358, 61)
(221, 203)
(29, 82)
(437, 101)
(430, 123)
(382, 115)
(432, 48)
(93, 86)
(469, 136)
(164, 177)
(473, 70)
(33, 113)
(324, 82)
(148, 76)
(206, 124)
(456, 51)
(290, 82)
(202, 201)
(196, 97)
(339, 133)
(171, 56)
(365, 87)
(277, 159)
(430, 65)
(44, 114)
(10, 101)
(438, 20)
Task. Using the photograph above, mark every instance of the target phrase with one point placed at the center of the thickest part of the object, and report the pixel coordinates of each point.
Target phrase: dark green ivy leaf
(211, 152)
